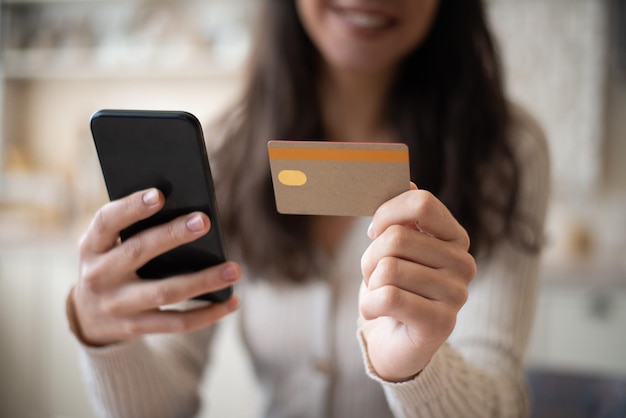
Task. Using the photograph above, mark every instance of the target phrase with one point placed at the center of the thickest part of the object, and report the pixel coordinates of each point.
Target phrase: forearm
(451, 386)
(147, 377)
(480, 371)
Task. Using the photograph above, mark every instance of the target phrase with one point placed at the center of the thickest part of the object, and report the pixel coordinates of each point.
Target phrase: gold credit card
(337, 178)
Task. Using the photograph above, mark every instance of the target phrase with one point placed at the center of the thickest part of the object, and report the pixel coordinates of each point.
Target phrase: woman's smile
(366, 35)
(364, 20)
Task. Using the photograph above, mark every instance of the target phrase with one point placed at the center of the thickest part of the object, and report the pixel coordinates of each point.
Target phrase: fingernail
(230, 273)
(195, 223)
(151, 197)
(370, 231)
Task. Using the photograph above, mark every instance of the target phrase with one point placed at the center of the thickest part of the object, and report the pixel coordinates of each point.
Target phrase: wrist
(374, 373)
(73, 321)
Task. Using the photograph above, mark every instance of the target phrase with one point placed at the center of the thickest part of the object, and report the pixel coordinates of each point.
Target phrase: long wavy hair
(447, 104)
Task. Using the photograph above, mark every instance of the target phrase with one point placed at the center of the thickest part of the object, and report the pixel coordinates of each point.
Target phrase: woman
(420, 72)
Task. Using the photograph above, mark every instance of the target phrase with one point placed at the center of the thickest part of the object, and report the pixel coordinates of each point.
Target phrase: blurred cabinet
(580, 327)
(39, 369)
(61, 60)
(39, 364)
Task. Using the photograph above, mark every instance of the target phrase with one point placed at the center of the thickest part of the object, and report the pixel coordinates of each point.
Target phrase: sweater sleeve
(479, 372)
(154, 376)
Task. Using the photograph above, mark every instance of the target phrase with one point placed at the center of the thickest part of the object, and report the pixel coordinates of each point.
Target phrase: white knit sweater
(311, 360)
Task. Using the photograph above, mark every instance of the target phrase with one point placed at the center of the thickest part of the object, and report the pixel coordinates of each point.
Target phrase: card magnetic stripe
(336, 154)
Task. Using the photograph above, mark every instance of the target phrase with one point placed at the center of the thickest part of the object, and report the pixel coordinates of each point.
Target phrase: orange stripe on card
(316, 154)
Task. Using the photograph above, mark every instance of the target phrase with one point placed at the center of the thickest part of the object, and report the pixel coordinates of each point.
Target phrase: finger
(418, 279)
(406, 307)
(408, 244)
(103, 232)
(179, 321)
(146, 245)
(423, 209)
(412, 277)
(151, 294)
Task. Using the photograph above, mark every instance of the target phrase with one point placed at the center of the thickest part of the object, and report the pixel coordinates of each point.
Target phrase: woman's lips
(365, 20)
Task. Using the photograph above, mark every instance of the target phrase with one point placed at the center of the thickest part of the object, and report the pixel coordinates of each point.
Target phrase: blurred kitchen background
(61, 60)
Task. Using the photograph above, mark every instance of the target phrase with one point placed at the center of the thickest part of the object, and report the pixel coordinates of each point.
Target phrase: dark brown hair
(447, 104)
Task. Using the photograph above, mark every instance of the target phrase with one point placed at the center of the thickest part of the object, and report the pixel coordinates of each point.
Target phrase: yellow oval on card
(292, 177)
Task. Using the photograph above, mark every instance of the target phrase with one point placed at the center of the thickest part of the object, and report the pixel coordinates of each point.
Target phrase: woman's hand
(111, 303)
(416, 275)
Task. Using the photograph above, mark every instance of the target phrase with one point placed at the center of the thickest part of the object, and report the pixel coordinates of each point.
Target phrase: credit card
(336, 178)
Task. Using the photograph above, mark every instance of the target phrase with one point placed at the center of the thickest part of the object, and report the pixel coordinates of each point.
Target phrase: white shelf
(166, 62)
(99, 39)
(13, 2)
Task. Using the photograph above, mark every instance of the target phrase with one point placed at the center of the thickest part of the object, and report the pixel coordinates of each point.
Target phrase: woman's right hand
(112, 304)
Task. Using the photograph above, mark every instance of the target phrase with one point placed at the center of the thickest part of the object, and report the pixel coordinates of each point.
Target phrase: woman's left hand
(416, 275)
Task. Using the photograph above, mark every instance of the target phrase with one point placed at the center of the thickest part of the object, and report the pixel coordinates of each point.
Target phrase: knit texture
(302, 342)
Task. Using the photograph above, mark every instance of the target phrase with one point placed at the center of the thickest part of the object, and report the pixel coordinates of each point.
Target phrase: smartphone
(141, 149)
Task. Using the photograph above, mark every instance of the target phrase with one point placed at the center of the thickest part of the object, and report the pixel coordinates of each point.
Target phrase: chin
(360, 63)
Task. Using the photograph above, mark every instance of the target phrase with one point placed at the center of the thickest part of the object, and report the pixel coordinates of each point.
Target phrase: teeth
(366, 20)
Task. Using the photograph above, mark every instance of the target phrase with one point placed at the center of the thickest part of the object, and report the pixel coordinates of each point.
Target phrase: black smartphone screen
(162, 149)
